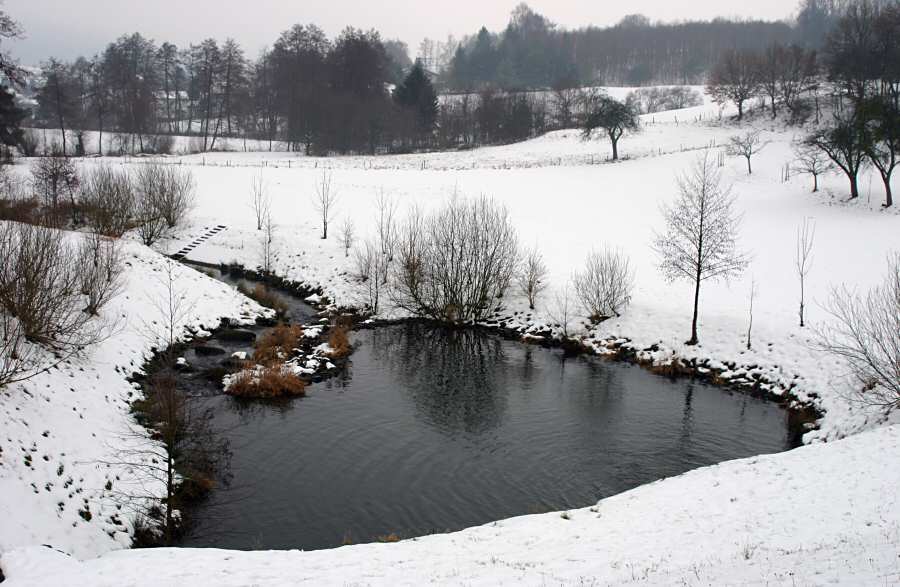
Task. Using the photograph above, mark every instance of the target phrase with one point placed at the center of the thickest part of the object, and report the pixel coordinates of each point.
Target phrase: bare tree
(806, 235)
(325, 200)
(700, 240)
(865, 331)
(845, 145)
(181, 461)
(267, 245)
(734, 78)
(753, 291)
(812, 161)
(174, 308)
(348, 235)
(532, 276)
(615, 117)
(746, 145)
(260, 202)
(55, 180)
(604, 287)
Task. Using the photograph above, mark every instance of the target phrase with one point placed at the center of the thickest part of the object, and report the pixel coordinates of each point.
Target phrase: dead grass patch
(267, 382)
(277, 344)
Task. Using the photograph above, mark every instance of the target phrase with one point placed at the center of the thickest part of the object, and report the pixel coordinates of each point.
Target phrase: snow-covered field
(826, 512)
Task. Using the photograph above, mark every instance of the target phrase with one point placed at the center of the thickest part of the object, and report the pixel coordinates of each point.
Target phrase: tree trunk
(854, 187)
(888, 195)
(749, 168)
(694, 339)
(740, 107)
(815, 182)
(615, 148)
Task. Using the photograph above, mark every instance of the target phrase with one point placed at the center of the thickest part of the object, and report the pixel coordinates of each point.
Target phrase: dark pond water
(433, 430)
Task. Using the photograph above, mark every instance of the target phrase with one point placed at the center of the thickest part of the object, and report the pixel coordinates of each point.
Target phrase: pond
(432, 430)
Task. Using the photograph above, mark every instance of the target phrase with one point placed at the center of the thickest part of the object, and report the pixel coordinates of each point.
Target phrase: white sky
(67, 28)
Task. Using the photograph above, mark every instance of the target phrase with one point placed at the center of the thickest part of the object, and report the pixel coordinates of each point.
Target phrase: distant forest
(360, 93)
(534, 53)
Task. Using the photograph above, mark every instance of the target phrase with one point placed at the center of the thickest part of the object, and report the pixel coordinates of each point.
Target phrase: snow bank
(59, 427)
(826, 513)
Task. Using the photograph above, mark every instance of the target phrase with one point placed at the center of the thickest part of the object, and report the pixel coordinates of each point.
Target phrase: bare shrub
(347, 235)
(385, 216)
(151, 226)
(16, 353)
(100, 263)
(41, 302)
(652, 100)
(369, 265)
(532, 276)
(16, 199)
(604, 287)
(865, 331)
(30, 143)
(562, 311)
(158, 144)
(455, 264)
(40, 284)
(109, 201)
(177, 195)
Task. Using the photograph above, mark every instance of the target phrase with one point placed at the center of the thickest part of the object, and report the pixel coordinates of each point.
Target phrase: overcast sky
(67, 28)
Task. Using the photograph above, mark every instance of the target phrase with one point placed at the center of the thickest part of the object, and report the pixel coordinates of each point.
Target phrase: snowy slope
(60, 426)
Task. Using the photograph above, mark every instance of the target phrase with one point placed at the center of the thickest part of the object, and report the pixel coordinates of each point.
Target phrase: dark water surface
(431, 430)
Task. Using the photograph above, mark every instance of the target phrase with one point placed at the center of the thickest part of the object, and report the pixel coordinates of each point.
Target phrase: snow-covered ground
(822, 514)
(826, 512)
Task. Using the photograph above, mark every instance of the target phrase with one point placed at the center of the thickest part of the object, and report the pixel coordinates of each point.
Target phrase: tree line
(316, 94)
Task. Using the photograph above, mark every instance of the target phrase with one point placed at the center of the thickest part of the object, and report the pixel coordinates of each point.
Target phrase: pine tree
(11, 117)
(417, 94)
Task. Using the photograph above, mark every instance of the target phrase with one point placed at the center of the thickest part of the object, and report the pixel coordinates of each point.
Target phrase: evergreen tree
(417, 95)
(11, 117)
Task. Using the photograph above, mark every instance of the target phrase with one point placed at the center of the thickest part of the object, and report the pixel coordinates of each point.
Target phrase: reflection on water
(439, 429)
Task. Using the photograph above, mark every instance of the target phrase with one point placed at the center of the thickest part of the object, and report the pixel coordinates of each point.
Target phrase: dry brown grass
(277, 344)
(267, 382)
(339, 341)
(387, 538)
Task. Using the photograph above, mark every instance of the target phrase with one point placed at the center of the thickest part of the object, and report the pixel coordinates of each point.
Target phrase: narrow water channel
(433, 430)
